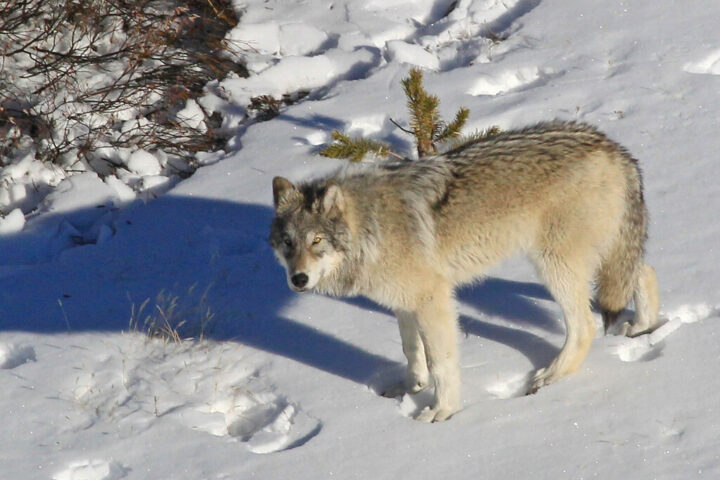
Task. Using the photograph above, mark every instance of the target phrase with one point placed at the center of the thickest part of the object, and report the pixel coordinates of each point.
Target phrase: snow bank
(13, 222)
(13, 355)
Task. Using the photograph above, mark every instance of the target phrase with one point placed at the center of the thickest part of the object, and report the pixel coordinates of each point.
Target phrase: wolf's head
(309, 233)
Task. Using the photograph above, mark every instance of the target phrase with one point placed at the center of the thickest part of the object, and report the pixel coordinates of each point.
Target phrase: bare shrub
(84, 77)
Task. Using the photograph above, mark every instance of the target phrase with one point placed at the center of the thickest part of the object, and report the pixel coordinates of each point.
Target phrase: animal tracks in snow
(649, 347)
(411, 405)
(265, 422)
(643, 348)
(208, 387)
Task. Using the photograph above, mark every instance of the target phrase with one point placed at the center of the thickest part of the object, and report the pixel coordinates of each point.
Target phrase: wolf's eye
(287, 241)
(317, 239)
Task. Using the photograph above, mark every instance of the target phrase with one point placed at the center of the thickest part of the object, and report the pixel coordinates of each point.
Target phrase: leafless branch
(109, 73)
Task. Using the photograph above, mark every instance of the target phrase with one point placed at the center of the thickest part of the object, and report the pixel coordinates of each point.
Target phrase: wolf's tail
(622, 273)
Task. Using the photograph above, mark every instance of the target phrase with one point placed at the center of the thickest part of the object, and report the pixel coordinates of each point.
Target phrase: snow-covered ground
(283, 384)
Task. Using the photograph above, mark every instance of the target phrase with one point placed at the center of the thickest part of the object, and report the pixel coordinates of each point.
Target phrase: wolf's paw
(632, 331)
(434, 414)
(542, 377)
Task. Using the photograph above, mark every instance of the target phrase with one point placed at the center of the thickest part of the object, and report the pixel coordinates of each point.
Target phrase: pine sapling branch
(476, 136)
(354, 148)
(453, 129)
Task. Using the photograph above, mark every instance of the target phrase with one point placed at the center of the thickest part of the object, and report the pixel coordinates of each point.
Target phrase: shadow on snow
(184, 246)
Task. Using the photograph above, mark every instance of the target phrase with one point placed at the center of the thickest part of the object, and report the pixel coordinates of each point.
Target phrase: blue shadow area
(195, 249)
(511, 300)
(176, 246)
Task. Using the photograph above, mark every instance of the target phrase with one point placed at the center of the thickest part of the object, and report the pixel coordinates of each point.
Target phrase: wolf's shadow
(514, 303)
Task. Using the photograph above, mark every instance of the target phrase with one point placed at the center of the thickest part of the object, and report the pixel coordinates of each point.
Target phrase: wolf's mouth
(299, 289)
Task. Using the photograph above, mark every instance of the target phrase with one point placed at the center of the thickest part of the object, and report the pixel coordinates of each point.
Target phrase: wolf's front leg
(437, 324)
(417, 377)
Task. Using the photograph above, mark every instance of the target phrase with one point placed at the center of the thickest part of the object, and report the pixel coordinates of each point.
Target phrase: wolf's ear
(283, 191)
(333, 202)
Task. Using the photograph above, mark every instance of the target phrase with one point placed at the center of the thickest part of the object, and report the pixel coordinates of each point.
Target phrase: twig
(401, 128)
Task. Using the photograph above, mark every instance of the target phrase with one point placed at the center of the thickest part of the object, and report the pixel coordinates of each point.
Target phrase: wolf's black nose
(299, 280)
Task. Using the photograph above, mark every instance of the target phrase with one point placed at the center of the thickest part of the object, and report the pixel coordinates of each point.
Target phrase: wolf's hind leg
(647, 302)
(437, 324)
(571, 289)
(417, 376)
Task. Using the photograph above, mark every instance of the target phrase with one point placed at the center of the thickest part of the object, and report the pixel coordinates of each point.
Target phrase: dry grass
(174, 319)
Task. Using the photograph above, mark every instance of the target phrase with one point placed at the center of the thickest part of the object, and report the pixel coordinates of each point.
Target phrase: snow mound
(495, 84)
(368, 125)
(398, 50)
(511, 387)
(78, 192)
(294, 73)
(143, 163)
(92, 470)
(12, 355)
(300, 39)
(710, 64)
(262, 38)
(13, 222)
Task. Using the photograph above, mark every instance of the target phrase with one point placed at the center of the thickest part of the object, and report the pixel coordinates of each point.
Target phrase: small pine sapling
(426, 126)
(425, 122)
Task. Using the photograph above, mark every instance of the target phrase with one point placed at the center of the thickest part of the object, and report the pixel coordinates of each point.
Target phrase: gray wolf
(405, 234)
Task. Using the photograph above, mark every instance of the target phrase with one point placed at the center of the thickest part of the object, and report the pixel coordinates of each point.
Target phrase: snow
(708, 65)
(192, 116)
(13, 355)
(294, 73)
(260, 37)
(143, 163)
(300, 39)
(404, 52)
(504, 81)
(13, 222)
(280, 385)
